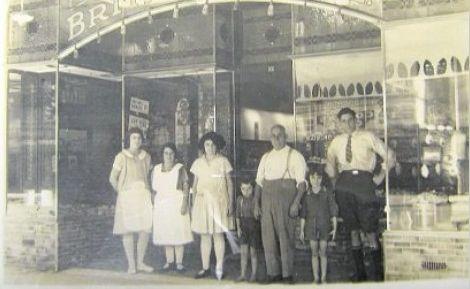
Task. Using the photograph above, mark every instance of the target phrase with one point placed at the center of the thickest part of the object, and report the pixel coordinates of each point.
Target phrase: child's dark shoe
(241, 278)
(253, 278)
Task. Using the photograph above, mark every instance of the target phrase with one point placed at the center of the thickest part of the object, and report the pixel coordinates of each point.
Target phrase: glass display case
(427, 92)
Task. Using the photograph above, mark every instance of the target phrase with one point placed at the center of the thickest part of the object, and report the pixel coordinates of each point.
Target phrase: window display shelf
(426, 77)
(319, 99)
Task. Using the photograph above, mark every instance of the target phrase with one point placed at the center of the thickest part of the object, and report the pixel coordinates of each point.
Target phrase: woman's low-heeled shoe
(219, 274)
(144, 268)
(202, 274)
(131, 271)
(167, 267)
(180, 268)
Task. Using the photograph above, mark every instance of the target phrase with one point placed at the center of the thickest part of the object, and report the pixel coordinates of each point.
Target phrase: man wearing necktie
(351, 160)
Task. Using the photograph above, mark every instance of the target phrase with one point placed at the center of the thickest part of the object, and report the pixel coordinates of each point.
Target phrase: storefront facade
(80, 73)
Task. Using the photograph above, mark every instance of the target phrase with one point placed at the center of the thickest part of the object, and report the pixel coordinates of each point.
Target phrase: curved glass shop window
(89, 123)
(427, 118)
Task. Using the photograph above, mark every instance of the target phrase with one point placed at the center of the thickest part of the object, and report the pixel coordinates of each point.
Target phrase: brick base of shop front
(81, 237)
(413, 255)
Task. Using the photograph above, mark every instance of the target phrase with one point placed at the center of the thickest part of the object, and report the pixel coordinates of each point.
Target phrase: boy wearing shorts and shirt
(248, 229)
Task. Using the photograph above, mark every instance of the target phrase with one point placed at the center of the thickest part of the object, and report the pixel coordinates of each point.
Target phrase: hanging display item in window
(138, 116)
(182, 128)
(139, 122)
(161, 134)
(138, 105)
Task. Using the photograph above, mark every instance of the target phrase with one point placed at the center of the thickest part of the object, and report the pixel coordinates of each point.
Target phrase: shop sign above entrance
(82, 18)
(82, 21)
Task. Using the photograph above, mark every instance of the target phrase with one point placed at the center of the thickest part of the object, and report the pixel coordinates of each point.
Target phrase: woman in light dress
(213, 201)
(133, 214)
(171, 222)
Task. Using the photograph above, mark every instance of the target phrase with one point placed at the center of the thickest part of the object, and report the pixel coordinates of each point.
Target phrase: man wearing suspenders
(280, 186)
(351, 160)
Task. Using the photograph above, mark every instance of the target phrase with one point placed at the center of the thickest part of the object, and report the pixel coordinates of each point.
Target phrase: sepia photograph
(235, 143)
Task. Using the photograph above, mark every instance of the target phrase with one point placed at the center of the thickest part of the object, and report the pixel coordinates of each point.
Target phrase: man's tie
(348, 150)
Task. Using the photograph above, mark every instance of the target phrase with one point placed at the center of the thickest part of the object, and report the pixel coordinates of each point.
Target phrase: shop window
(31, 141)
(89, 138)
(14, 135)
(429, 186)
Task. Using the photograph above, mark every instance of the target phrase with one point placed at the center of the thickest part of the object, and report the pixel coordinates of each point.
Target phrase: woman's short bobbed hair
(132, 131)
(171, 146)
(216, 138)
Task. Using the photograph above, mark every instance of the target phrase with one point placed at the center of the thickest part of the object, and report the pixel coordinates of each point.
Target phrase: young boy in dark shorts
(248, 229)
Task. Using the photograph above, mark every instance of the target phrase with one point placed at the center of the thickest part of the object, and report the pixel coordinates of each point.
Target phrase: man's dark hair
(346, 110)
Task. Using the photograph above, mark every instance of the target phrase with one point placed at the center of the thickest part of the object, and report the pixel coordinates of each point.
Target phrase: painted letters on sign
(81, 18)
(139, 105)
(140, 122)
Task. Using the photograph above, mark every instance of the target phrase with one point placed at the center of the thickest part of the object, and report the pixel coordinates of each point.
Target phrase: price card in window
(139, 105)
(140, 122)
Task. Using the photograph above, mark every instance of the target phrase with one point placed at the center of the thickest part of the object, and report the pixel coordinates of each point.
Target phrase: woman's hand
(184, 208)
(302, 236)
(184, 205)
(239, 233)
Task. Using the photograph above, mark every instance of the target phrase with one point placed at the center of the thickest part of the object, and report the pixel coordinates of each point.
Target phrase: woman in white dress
(213, 203)
(171, 222)
(133, 213)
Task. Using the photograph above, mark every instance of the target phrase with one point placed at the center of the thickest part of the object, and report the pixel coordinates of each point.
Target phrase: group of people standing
(167, 218)
(266, 211)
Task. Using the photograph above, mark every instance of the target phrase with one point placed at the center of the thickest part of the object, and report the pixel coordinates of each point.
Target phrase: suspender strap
(287, 165)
